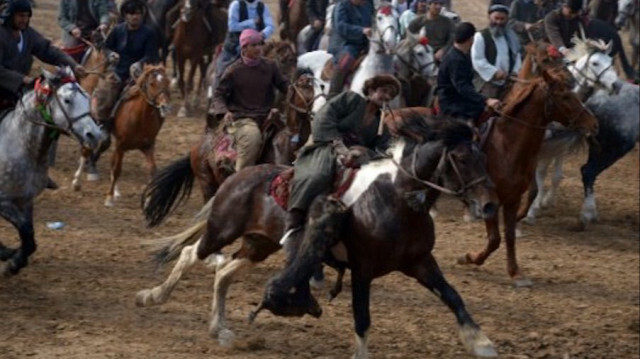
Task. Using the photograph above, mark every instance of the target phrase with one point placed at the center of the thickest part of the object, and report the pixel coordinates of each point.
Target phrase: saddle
(327, 70)
(280, 187)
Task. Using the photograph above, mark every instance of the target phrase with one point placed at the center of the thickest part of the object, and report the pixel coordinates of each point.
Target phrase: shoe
(51, 184)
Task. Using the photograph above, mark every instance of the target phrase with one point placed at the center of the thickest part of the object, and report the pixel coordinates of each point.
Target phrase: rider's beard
(496, 30)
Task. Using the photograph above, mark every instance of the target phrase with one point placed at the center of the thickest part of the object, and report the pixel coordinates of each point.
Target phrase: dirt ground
(76, 297)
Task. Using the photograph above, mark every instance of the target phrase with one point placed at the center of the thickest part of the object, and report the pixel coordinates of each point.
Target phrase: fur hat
(381, 81)
(249, 36)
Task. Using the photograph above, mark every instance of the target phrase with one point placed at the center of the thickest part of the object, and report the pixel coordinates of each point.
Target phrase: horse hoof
(530, 220)
(316, 284)
(76, 185)
(109, 202)
(226, 338)
(92, 177)
(522, 282)
(477, 343)
(520, 233)
(464, 259)
(143, 298)
(182, 112)
(116, 193)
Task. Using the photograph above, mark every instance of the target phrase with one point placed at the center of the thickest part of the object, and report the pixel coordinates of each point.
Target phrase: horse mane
(146, 70)
(451, 132)
(583, 47)
(518, 94)
(406, 44)
(415, 128)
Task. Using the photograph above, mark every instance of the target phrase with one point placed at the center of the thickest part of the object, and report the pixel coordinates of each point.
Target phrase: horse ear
(47, 75)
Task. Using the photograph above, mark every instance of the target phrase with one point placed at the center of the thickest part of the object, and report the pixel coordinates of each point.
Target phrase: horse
(56, 105)
(415, 65)
(297, 19)
(377, 61)
(156, 19)
(602, 30)
(210, 160)
(512, 143)
(402, 239)
(614, 103)
(190, 40)
(137, 122)
(629, 11)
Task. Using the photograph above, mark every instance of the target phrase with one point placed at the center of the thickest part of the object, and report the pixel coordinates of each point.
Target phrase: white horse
(379, 59)
(630, 10)
(415, 59)
(593, 70)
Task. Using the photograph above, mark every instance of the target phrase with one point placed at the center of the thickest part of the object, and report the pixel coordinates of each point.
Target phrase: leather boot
(337, 82)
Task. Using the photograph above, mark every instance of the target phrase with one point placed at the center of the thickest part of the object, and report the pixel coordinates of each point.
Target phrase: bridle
(144, 88)
(586, 78)
(308, 104)
(409, 64)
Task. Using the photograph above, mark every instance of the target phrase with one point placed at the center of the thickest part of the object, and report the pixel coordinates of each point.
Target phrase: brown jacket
(248, 92)
(560, 30)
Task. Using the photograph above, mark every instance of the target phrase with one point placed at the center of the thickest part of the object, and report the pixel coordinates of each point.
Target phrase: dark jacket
(560, 30)
(456, 93)
(317, 10)
(133, 46)
(68, 15)
(348, 21)
(14, 65)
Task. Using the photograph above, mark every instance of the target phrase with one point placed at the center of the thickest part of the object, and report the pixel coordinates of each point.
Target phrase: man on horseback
(243, 14)
(316, 13)
(349, 38)
(439, 29)
(18, 44)
(495, 53)
(346, 120)
(560, 25)
(136, 45)
(457, 96)
(78, 18)
(245, 96)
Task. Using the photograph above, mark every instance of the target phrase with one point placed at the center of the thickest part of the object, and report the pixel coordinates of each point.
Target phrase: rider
(495, 53)
(245, 96)
(316, 13)
(416, 9)
(349, 38)
(562, 24)
(346, 120)
(439, 29)
(136, 45)
(19, 42)
(243, 14)
(524, 15)
(78, 18)
(456, 95)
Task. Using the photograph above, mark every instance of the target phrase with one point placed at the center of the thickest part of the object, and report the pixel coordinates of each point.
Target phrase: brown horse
(138, 120)
(512, 144)
(190, 40)
(297, 20)
(400, 240)
(210, 160)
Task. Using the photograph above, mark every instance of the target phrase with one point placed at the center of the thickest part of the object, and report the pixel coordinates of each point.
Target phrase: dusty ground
(76, 297)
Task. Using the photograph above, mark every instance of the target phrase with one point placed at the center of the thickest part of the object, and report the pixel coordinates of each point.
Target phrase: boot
(51, 184)
(337, 82)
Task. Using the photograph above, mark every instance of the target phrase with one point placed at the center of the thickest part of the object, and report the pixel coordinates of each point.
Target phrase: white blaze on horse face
(371, 171)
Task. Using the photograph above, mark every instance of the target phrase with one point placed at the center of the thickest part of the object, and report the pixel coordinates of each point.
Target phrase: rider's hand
(352, 158)
(80, 71)
(318, 24)
(102, 27)
(76, 32)
(500, 75)
(493, 103)
(258, 20)
(439, 54)
(367, 31)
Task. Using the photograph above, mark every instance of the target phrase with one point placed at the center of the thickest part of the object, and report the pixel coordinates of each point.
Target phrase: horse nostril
(489, 210)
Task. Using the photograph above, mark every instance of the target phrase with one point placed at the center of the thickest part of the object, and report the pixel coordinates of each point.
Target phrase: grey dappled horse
(57, 105)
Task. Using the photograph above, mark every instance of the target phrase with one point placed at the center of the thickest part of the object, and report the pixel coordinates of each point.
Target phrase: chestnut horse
(512, 144)
(173, 184)
(400, 240)
(138, 120)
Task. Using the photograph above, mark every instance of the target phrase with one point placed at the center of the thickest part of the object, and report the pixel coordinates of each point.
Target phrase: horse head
(416, 57)
(65, 106)
(153, 84)
(626, 8)
(592, 67)
(385, 30)
(300, 97)
(564, 105)
(283, 53)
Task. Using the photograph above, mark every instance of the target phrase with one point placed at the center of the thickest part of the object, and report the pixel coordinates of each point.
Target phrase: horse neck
(424, 166)
(22, 132)
(96, 64)
(526, 69)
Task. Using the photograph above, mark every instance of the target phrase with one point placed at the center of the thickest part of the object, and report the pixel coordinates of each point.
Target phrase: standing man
(243, 15)
(136, 45)
(78, 18)
(495, 53)
(457, 96)
(245, 96)
(19, 43)
(439, 29)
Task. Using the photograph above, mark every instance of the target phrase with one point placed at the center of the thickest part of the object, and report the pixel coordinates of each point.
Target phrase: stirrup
(288, 235)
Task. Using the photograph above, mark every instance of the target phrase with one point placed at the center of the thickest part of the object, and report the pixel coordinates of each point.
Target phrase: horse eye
(595, 64)
(67, 101)
(379, 18)
(419, 54)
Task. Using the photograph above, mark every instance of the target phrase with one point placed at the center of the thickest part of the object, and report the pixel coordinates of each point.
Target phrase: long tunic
(345, 118)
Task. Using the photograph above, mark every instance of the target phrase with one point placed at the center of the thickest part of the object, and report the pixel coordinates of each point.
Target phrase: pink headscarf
(249, 36)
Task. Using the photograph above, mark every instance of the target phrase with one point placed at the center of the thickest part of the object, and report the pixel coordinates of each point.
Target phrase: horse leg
(182, 112)
(76, 176)
(360, 295)
(550, 197)
(149, 155)
(161, 293)
(474, 340)
(536, 205)
(6, 252)
(22, 219)
(493, 242)
(224, 277)
(116, 169)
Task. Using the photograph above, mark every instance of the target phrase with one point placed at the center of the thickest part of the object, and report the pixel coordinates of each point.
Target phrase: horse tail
(169, 248)
(167, 190)
(561, 142)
